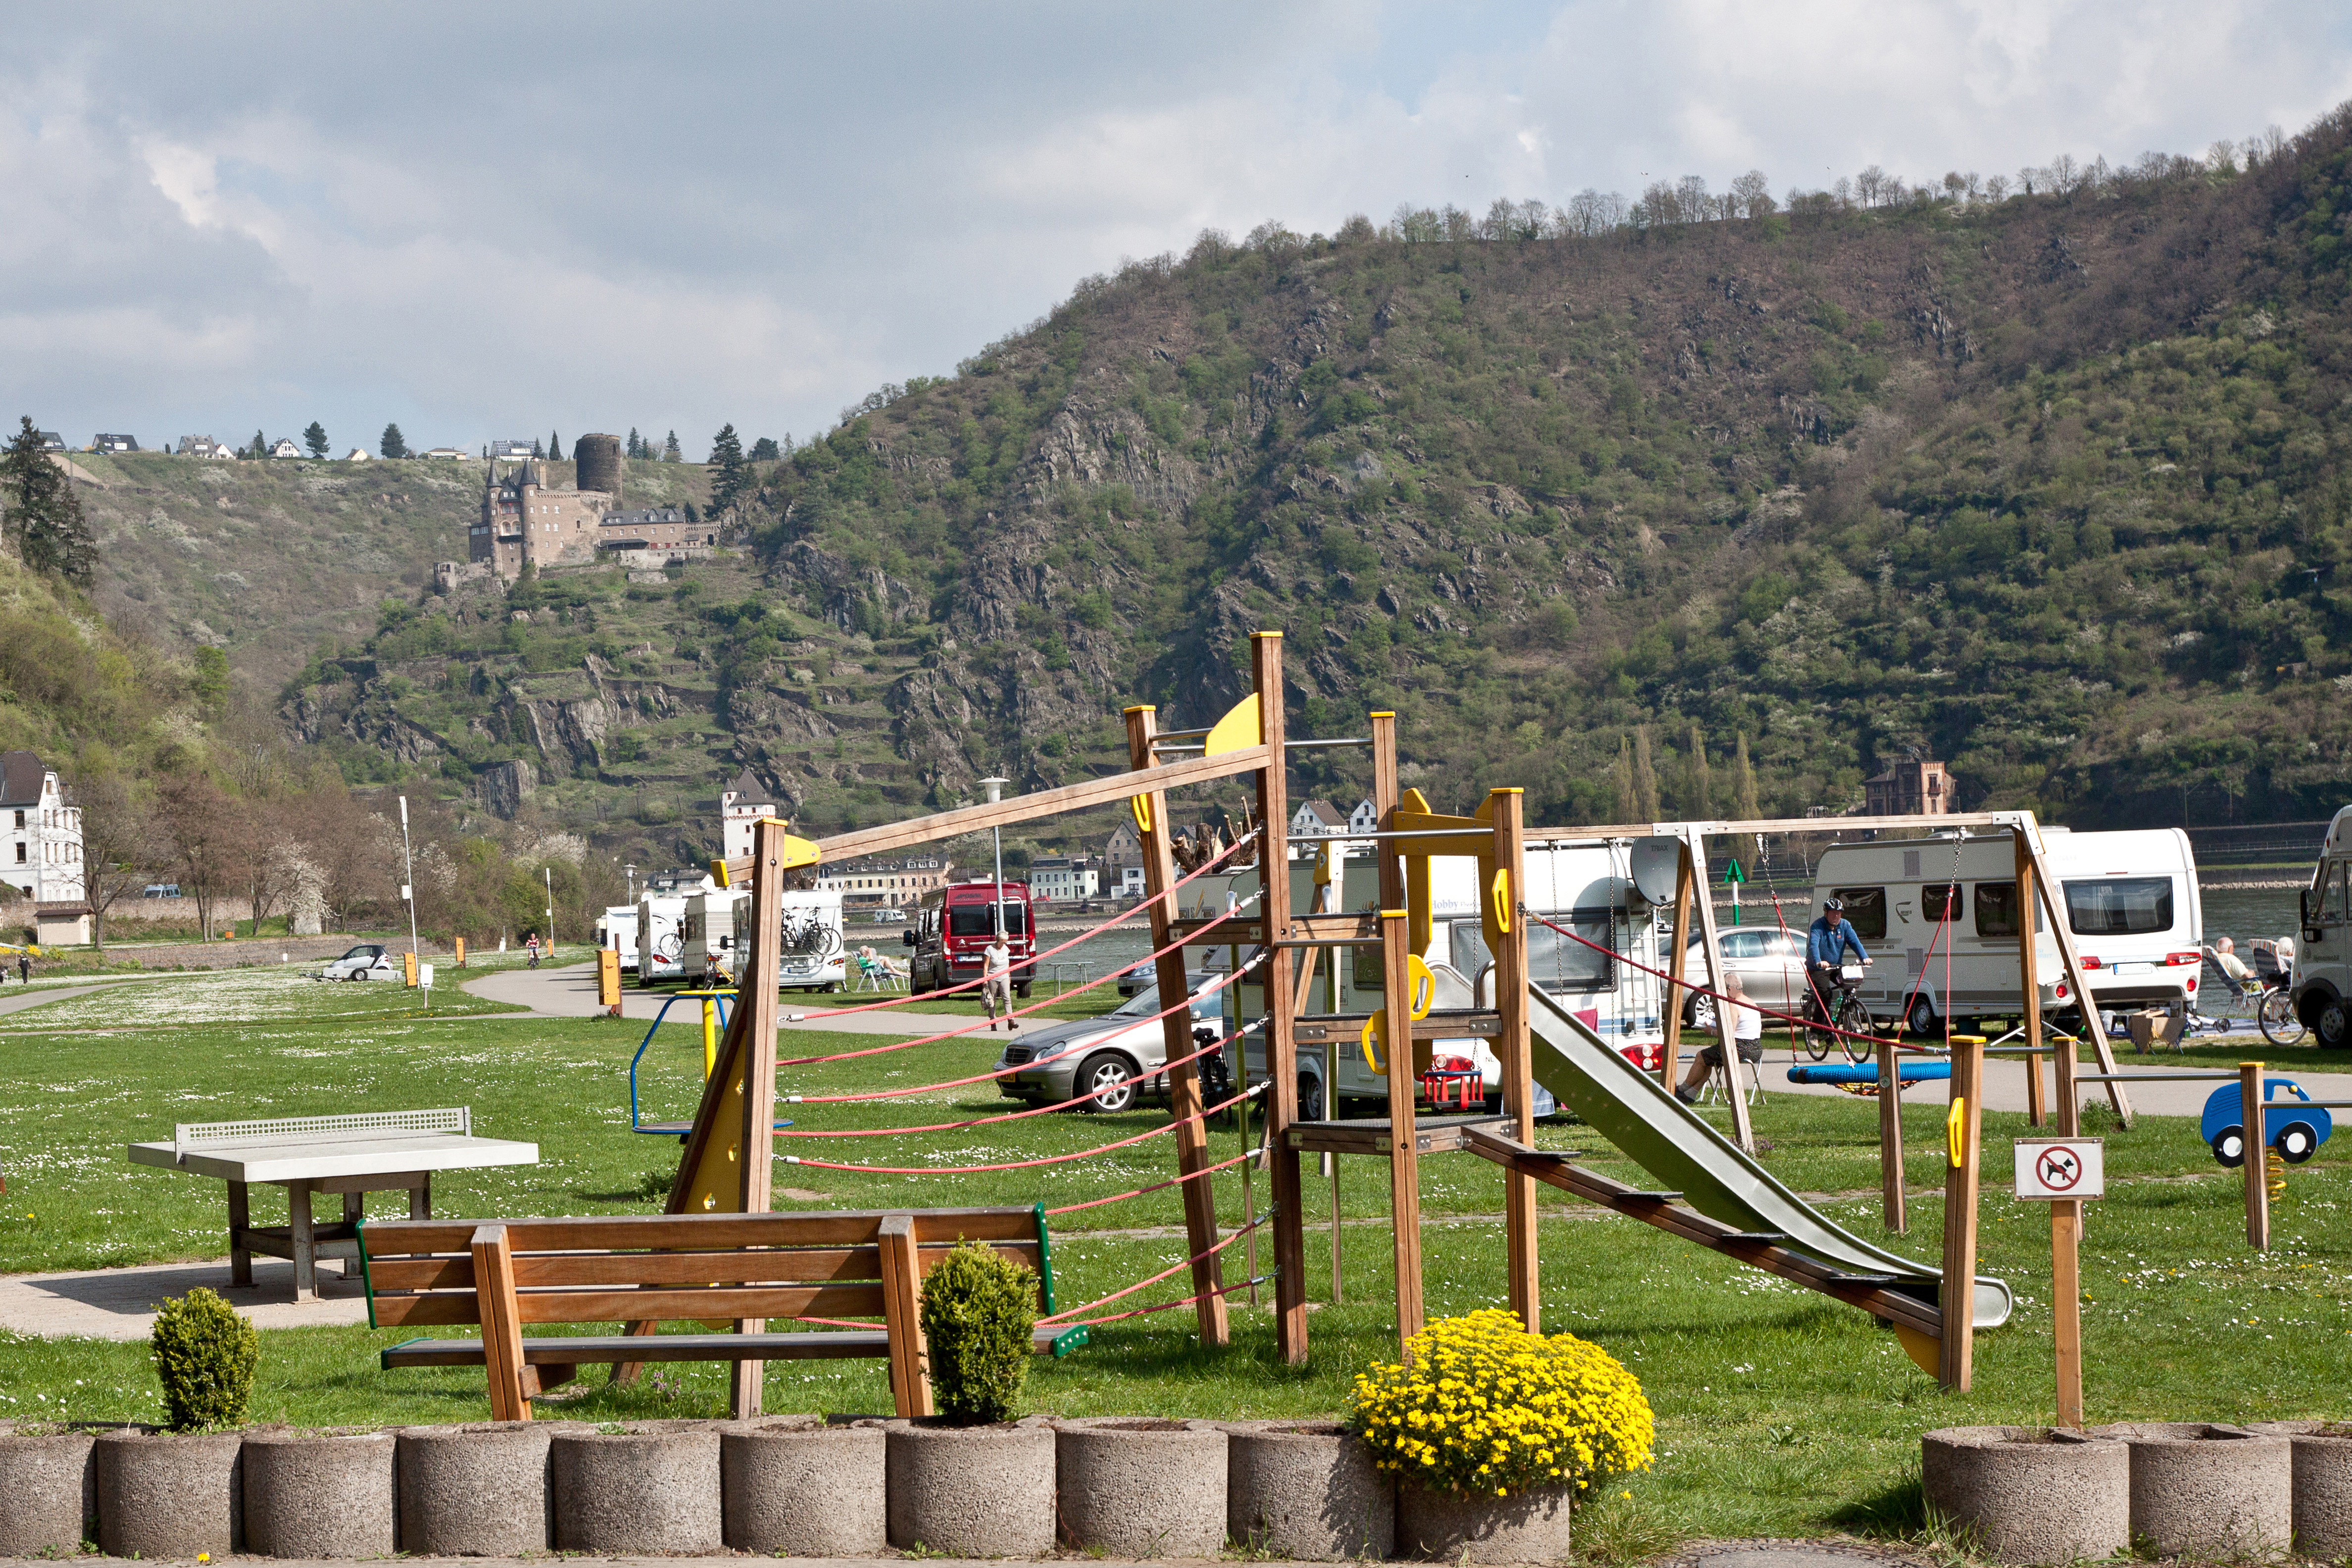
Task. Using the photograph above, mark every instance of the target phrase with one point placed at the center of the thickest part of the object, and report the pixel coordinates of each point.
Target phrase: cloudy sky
(493, 219)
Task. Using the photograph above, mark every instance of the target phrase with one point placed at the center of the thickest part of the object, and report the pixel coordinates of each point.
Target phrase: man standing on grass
(996, 981)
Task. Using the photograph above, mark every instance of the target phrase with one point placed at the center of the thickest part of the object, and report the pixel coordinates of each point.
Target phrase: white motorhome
(812, 943)
(618, 929)
(660, 939)
(2131, 905)
(707, 935)
(2322, 988)
(1588, 889)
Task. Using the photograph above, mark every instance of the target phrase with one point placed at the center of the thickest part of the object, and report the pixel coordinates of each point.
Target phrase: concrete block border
(2203, 1488)
(649, 1489)
(1307, 1490)
(317, 1493)
(1131, 1486)
(165, 1494)
(971, 1491)
(796, 1485)
(2028, 1494)
(1530, 1527)
(475, 1491)
(2321, 1481)
(50, 1483)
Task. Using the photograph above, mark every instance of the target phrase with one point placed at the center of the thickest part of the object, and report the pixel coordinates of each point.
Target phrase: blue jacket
(1825, 944)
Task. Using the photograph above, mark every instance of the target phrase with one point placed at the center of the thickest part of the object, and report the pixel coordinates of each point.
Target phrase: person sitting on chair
(1746, 1036)
(2226, 959)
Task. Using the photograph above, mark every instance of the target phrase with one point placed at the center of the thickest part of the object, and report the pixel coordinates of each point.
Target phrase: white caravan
(2131, 904)
(660, 939)
(618, 931)
(1588, 889)
(2323, 957)
(707, 935)
(812, 945)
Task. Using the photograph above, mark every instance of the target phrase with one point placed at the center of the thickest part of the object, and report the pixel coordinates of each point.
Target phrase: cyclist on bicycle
(1830, 938)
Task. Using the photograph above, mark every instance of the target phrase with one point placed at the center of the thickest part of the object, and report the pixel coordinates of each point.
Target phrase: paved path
(120, 1303)
(25, 996)
(571, 992)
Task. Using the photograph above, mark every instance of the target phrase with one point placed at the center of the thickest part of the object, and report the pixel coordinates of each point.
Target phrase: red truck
(954, 928)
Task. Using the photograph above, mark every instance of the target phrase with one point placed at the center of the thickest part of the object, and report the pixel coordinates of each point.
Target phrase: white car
(369, 961)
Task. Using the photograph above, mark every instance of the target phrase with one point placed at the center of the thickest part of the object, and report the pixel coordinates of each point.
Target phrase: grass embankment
(1779, 1411)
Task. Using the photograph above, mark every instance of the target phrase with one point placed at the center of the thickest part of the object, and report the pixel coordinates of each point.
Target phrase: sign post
(1732, 877)
(2063, 1172)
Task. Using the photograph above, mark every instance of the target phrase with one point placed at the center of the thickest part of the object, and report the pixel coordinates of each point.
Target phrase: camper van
(811, 943)
(2322, 960)
(660, 939)
(2131, 907)
(618, 929)
(1588, 889)
(707, 934)
(952, 933)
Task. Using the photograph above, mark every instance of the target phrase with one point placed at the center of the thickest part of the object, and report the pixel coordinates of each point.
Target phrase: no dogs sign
(2061, 1168)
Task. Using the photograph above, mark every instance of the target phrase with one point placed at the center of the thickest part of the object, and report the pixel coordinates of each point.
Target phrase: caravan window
(1943, 901)
(979, 919)
(1997, 910)
(2332, 904)
(1555, 962)
(2119, 906)
(1865, 911)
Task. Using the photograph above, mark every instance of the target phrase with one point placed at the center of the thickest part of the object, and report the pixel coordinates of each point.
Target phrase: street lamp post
(408, 880)
(549, 872)
(995, 788)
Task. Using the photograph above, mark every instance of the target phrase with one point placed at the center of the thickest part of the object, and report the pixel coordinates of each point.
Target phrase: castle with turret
(526, 521)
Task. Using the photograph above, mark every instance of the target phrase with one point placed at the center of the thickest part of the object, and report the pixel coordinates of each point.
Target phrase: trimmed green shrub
(979, 1307)
(204, 1355)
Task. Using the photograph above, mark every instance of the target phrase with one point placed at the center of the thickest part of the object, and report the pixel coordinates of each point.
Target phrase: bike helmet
(1833, 907)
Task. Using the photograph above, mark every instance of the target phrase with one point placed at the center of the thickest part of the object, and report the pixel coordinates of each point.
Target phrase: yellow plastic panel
(1237, 730)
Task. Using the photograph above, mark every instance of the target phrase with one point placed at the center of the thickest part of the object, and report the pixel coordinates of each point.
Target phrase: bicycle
(2276, 1018)
(809, 937)
(1847, 1012)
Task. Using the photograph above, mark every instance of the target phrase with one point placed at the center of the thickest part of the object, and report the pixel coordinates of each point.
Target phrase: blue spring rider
(2297, 1132)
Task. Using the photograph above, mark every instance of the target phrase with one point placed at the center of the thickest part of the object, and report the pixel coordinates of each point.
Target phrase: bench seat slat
(821, 1228)
(689, 1304)
(590, 1349)
(782, 1265)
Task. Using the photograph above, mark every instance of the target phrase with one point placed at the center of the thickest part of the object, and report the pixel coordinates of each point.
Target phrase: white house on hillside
(283, 447)
(1062, 878)
(741, 806)
(43, 858)
(1317, 819)
(1364, 818)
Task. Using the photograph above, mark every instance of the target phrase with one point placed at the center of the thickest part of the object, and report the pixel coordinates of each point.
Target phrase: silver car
(1114, 1059)
(1770, 966)
(369, 961)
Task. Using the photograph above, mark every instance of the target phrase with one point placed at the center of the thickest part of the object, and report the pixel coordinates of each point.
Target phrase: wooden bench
(707, 1269)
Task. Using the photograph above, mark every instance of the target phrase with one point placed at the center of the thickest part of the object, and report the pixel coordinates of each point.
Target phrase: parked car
(1770, 966)
(952, 933)
(369, 961)
(1119, 1055)
(1137, 976)
(159, 890)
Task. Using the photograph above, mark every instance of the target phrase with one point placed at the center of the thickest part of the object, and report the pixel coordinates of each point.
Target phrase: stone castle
(526, 521)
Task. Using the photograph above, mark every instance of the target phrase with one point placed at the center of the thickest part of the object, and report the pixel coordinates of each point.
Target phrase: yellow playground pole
(709, 1036)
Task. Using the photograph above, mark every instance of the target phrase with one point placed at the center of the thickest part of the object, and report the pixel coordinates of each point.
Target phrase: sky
(497, 220)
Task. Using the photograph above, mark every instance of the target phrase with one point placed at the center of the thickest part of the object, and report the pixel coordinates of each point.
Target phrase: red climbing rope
(1156, 1186)
(1025, 1165)
(1208, 1252)
(1171, 1306)
(984, 1121)
(1191, 940)
(1205, 866)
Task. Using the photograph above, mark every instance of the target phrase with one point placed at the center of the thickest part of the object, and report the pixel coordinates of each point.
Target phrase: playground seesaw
(1865, 1072)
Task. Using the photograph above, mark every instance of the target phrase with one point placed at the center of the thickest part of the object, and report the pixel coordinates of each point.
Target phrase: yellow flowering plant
(1479, 1406)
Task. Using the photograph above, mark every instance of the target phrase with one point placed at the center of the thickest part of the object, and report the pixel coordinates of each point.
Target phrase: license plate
(2135, 968)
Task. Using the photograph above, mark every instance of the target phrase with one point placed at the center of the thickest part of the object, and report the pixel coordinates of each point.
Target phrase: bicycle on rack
(808, 936)
(1847, 1012)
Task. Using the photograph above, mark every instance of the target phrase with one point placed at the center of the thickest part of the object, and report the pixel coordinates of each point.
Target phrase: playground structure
(1734, 1205)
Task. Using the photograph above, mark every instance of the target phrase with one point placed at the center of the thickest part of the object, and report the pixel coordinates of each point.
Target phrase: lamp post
(995, 788)
(408, 880)
(549, 872)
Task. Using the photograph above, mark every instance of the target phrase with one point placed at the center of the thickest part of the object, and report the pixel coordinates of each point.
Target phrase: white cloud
(581, 223)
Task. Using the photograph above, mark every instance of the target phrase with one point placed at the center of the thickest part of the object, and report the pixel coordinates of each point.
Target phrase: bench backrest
(186, 1135)
(814, 1264)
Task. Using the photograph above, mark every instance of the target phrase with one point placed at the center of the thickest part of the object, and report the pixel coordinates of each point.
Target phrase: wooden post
(494, 1298)
(1695, 862)
(2073, 964)
(1281, 1040)
(1151, 811)
(2066, 1306)
(1893, 1211)
(756, 999)
(1964, 1135)
(2028, 977)
(1396, 1038)
(1670, 1054)
(240, 1220)
(1504, 891)
(902, 1299)
(2255, 1122)
(1331, 1169)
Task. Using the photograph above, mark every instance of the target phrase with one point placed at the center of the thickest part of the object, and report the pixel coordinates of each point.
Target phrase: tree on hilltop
(537, 448)
(637, 447)
(670, 451)
(729, 477)
(393, 444)
(260, 448)
(44, 518)
(764, 450)
(555, 446)
(315, 438)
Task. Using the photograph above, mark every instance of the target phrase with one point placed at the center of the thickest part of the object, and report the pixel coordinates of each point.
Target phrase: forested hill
(2052, 487)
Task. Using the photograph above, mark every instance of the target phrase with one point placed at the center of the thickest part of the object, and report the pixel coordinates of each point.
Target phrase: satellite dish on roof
(1655, 863)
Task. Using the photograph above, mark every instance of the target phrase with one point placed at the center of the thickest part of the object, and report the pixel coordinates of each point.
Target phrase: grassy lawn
(1779, 1411)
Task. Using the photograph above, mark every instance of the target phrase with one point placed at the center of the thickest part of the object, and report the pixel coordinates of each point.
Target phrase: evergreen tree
(637, 447)
(670, 452)
(260, 446)
(1646, 777)
(536, 449)
(555, 446)
(1744, 784)
(44, 518)
(764, 450)
(315, 438)
(1702, 791)
(393, 445)
(1627, 806)
(729, 477)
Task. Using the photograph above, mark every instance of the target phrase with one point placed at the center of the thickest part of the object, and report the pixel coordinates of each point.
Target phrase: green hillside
(2053, 488)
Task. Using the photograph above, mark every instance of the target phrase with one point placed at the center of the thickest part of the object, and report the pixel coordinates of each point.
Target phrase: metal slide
(1665, 1138)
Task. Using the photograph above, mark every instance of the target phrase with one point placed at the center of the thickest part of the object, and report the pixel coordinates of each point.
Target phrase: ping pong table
(372, 1152)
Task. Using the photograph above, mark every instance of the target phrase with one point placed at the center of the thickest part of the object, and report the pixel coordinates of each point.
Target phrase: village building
(885, 883)
(741, 804)
(1122, 853)
(527, 521)
(284, 448)
(204, 447)
(1365, 819)
(103, 442)
(51, 440)
(1064, 878)
(510, 451)
(43, 857)
(1909, 788)
(1317, 819)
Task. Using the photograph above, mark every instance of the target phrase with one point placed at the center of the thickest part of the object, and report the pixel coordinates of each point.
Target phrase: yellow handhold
(1140, 808)
(1498, 894)
(1421, 988)
(1922, 1349)
(1237, 730)
(719, 872)
(1956, 1125)
(1372, 1028)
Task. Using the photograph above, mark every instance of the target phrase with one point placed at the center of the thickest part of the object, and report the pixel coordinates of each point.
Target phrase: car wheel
(2230, 1146)
(1022, 990)
(1699, 1013)
(2332, 1025)
(1310, 1097)
(1108, 1080)
(2295, 1142)
(1922, 1017)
